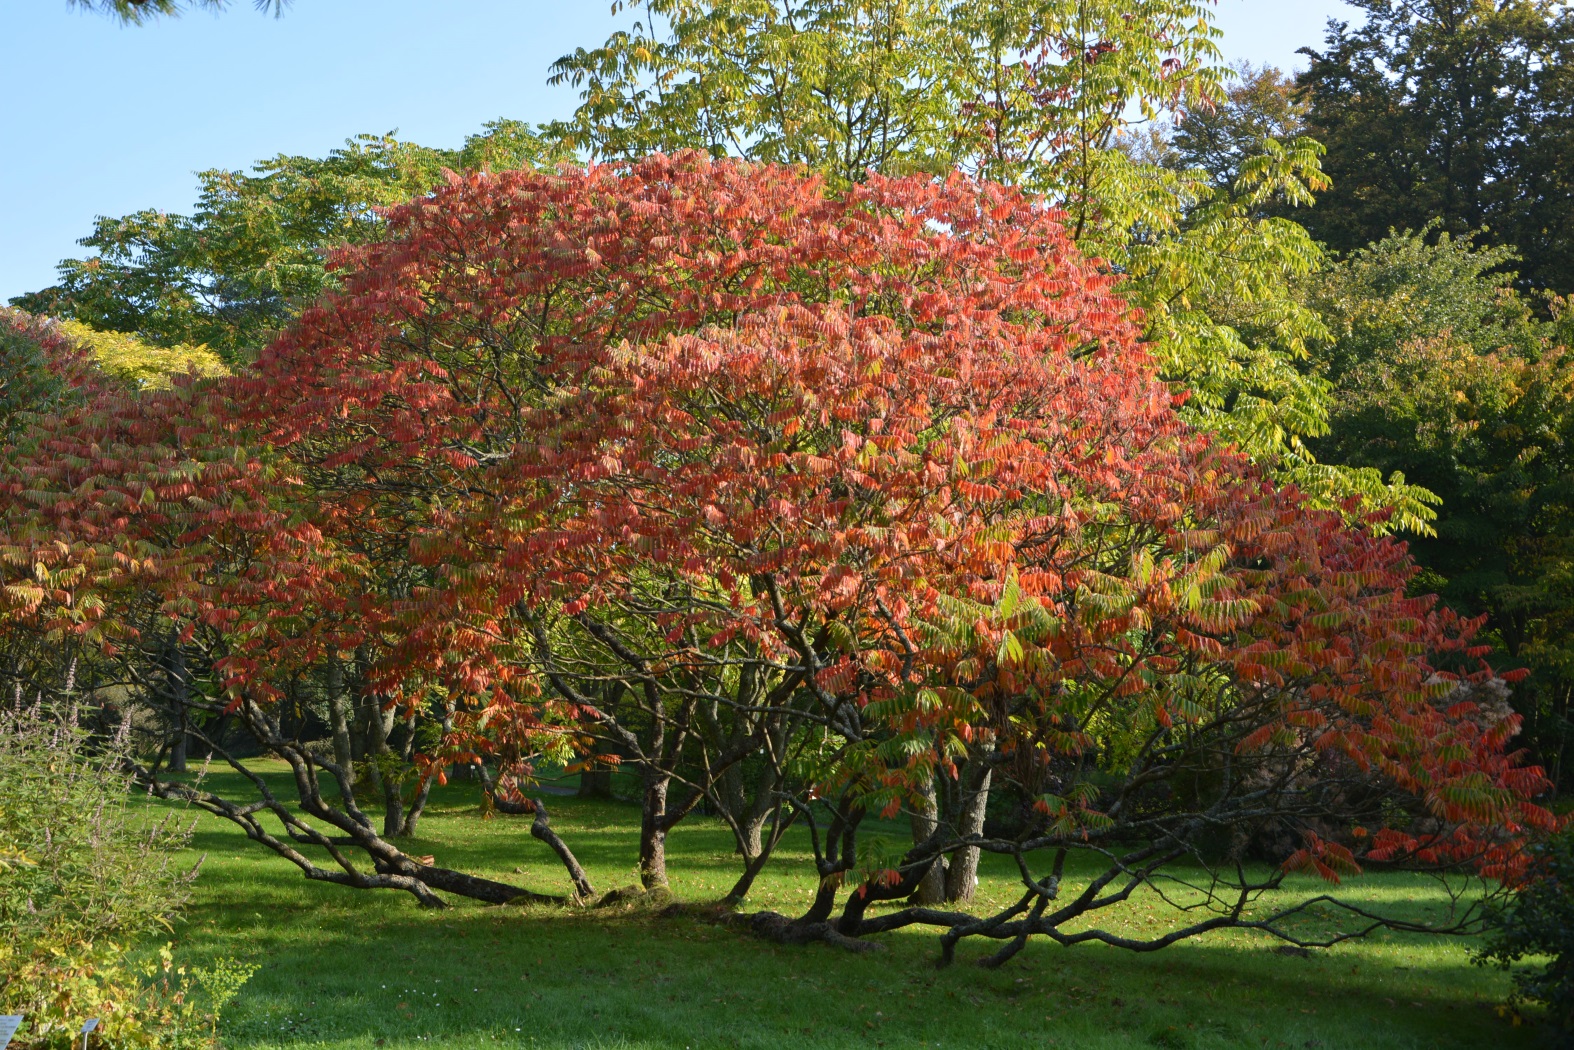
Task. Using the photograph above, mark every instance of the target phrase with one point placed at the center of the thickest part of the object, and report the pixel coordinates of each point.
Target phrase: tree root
(634, 897)
(774, 926)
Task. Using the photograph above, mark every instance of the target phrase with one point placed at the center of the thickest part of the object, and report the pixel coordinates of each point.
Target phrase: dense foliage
(1444, 372)
(27, 383)
(1459, 110)
(1256, 105)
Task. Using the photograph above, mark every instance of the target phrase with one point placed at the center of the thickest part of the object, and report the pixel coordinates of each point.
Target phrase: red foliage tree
(799, 506)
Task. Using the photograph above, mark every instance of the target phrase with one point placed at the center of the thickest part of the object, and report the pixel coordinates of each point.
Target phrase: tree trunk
(932, 889)
(378, 727)
(541, 828)
(177, 751)
(339, 714)
(755, 862)
(595, 783)
(752, 826)
(417, 807)
(961, 877)
(179, 696)
(653, 830)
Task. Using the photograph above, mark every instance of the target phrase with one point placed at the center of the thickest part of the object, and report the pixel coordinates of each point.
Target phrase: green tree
(1259, 104)
(1420, 284)
(1459, 109)
(86, 873)
(259, 244)
(1022, 91)
(139, 364)
(843, 86)
(1441, 370)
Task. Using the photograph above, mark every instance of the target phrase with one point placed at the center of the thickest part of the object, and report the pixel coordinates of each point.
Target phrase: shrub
(28, 383)
(1539, 921)
(87, 874)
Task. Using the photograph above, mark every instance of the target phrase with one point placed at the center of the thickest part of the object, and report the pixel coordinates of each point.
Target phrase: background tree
(1461, 110)
(255, 251)
(1419, 285)
(842, 87)
(1259, 105)
(1444, 372)
(1451, 118)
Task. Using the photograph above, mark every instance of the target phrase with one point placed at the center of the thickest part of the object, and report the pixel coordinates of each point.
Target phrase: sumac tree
(799, 504)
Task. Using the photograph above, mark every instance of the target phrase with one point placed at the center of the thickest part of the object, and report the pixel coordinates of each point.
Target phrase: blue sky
(100, 119)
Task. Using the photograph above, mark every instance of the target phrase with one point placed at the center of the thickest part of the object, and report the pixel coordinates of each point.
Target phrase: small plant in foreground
(86, 876)
(1539, 921)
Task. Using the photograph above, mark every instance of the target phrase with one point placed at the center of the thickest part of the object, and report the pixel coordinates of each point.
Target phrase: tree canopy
(1456, 110)
(231, 275)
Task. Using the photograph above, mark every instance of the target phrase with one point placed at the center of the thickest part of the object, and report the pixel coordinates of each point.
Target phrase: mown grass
(342, 968)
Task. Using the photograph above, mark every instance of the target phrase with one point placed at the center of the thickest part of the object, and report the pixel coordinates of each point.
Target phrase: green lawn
(343, 968)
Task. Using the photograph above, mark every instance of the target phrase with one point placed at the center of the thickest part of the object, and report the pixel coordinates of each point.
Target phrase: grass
(345, 968)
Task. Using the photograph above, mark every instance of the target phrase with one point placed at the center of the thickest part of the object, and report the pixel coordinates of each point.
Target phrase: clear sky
(99, 119)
